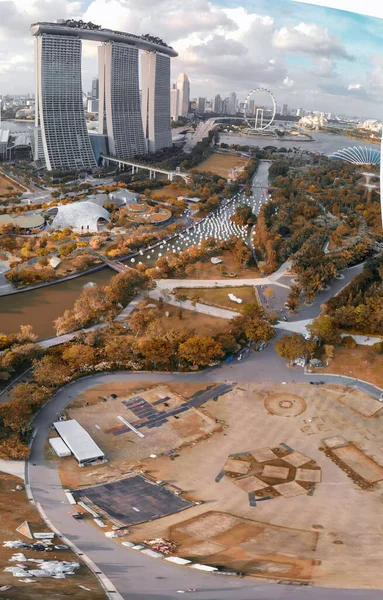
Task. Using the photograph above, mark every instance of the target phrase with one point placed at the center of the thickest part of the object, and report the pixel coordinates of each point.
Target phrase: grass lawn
(15, 509)
(169, 192)
(361, 362)
(207, 270)
(9, 187)
(219, 296)
(202, 324)
(220, 164)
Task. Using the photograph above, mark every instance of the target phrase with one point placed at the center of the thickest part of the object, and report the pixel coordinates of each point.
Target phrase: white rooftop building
(84, 216)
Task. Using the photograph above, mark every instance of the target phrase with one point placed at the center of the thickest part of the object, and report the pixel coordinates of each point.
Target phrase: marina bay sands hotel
(129, 125)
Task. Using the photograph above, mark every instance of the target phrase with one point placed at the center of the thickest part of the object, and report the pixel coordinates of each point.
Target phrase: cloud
(325, 67)
(354, 86)
(308, 38)
(287, 82)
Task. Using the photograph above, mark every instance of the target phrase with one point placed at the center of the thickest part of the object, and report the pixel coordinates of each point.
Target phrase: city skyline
(332, 58)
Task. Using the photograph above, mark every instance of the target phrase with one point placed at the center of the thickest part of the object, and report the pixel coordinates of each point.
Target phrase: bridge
(122, 162)
(204, 128)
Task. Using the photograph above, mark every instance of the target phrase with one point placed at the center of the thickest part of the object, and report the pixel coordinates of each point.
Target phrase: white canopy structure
(80, 215)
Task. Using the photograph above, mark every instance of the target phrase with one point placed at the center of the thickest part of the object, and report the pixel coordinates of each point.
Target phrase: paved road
(136, 576)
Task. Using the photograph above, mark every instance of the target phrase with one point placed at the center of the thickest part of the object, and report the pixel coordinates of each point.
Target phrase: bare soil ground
(220, 164)
(322, 537)
(361, 362)
(15, 509)
(126, 451)
(219, 296)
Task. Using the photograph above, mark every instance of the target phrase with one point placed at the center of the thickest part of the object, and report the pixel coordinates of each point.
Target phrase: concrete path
(295, 326)
(170, 284)
(13, 467)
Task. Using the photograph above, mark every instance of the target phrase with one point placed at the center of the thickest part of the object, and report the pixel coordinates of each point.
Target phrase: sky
(310, 57)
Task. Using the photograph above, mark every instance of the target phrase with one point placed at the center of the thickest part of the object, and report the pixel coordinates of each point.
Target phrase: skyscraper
(201, 106)
(174, 103)
(155, 105)
(95, 87)
(284, 110)
(218, 104)
(61, 138)
(232, 104)
(183, 85)
(119, 103)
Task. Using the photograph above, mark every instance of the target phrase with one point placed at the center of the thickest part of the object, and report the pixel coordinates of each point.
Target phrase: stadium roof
(80, 215)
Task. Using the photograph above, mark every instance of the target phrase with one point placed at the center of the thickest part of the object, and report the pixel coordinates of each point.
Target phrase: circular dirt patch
(285, 405)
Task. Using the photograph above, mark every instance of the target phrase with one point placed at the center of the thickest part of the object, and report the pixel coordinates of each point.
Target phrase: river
(41, 307)
(325, 143)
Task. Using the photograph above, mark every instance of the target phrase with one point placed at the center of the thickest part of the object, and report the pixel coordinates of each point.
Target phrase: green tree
(324, 328)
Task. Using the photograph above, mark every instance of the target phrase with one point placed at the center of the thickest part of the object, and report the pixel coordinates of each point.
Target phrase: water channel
(41, 307)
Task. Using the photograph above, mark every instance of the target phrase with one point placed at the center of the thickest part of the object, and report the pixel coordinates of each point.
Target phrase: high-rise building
(218, 104)
(61, 137)
(285, 110)
(92, 105)
(183, 86)
(225, 106)
(155, 105)
(232, 108)
(94, 93)
(201, 108)
(300, 112)
(119, 103)
(250, 110)
(174, 103)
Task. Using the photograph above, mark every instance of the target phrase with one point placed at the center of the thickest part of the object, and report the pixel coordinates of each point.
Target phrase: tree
(348, 342)
(26, 334)
(51, 371)
(324, 328)
(294, 346)
(259, 330)
(79, 356)
(201, 351)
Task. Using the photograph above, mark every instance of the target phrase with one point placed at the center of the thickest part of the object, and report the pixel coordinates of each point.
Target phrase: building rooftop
(82, 30)
(80, 215)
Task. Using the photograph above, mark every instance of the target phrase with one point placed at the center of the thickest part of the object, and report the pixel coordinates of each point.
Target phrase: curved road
(139, 577)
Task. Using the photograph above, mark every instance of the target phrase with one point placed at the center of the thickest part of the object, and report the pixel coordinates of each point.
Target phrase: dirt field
(123, 448)
(220, 164)
(321, 536)
(15, 509)
(219, 296)
(9, 187)
(360, 362)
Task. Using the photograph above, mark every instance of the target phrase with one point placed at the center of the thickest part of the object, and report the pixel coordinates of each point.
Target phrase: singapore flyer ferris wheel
(259, 117)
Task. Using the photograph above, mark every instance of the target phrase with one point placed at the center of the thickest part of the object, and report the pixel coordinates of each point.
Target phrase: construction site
(275, 481)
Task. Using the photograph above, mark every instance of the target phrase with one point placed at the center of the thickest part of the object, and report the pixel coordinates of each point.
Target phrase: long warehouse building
(82, 446)
(61, 137)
